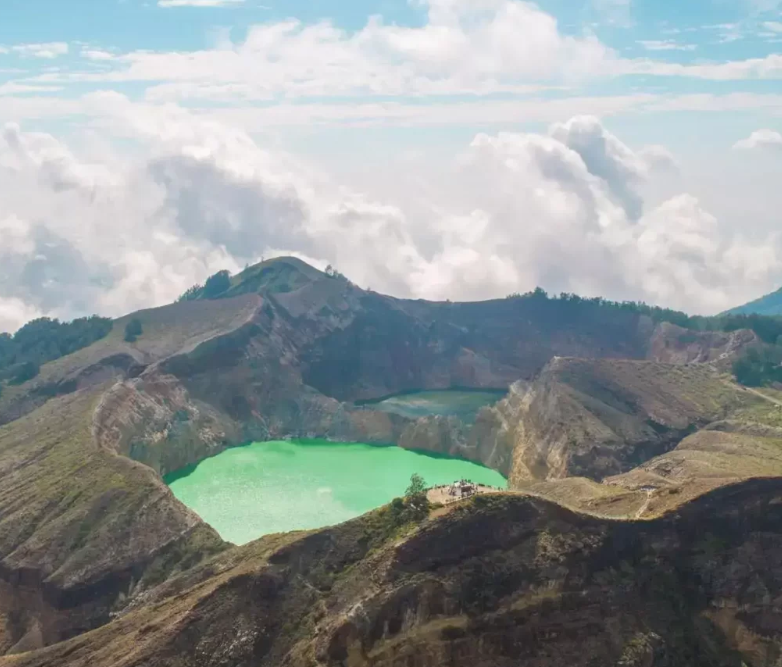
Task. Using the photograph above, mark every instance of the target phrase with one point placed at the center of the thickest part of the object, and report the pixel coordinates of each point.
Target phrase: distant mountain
(771, 304)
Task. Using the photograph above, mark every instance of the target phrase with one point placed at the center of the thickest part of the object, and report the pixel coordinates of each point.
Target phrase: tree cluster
(759, 366)
(414, 507)
(767, 328)
(43, 340)
(214, 287)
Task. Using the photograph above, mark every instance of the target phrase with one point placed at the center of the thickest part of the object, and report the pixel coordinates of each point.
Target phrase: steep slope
(671, 344)
(498, 582)
(596, 418)
(770, 304)
(81, 529)
(167, 330)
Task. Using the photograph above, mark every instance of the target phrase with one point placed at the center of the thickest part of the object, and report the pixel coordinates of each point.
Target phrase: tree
(133, 330)
(415, 498)
(217, 284)
(417, 486)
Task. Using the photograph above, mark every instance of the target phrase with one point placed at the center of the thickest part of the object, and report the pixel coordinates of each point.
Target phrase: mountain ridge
(90, 532)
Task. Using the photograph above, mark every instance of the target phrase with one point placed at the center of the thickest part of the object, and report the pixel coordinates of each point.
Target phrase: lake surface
(274, 487)
(462, 404)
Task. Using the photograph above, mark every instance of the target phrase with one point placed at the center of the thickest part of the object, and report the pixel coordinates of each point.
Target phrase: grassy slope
(595, 418)
(495, 583)
(744, 442)
(81, 526)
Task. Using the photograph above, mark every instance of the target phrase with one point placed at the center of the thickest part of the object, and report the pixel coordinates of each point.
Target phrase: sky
(440, 149)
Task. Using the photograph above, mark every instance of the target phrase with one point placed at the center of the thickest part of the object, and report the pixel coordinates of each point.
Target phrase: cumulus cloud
(462, 47)
(563, 209)
(760, 139)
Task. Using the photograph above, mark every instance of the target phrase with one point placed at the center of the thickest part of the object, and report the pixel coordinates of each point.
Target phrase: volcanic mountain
(641, 526)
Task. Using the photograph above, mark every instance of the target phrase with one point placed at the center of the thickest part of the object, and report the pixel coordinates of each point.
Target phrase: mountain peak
(278, 275)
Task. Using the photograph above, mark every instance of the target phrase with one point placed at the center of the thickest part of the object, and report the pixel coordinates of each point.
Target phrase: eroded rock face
(502, 581)
(596, 418)
(671, 344)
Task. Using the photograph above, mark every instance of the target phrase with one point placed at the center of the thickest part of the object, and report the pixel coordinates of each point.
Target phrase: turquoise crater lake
(272, 487)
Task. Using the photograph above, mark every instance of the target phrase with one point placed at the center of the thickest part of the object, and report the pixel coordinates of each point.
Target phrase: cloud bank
(563, 209)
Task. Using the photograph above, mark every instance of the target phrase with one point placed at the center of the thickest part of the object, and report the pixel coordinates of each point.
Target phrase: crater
(273, 487)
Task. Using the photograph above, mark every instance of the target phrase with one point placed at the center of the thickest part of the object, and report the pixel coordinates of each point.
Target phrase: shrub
(133, 330)
(26, 371)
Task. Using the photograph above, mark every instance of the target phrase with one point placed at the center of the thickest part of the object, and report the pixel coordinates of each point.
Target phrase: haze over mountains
(619, 431)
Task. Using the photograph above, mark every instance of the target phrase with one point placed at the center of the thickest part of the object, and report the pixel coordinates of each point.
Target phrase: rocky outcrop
(671, 344)
(596, 418)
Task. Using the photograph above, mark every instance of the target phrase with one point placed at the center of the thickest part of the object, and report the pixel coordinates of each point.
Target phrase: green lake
(456, 403)
(274, 487)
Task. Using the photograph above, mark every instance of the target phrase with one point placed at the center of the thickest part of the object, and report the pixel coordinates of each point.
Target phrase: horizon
(435, 149)
(549, 296)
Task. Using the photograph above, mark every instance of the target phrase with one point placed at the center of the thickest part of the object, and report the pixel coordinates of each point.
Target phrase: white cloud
(768, 67)
(14, 88)
(666, 45)
(563, 209)
(48, 50)
(773, 26)
(463, 48)
(96, 54)
(14, 313)
(760, 139)
(199, 3)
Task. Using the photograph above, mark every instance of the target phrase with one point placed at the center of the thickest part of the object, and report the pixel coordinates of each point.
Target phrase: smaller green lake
(275, 487)
(449, 403)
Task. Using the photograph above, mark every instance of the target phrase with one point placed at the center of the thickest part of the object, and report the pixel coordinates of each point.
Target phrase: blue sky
(432, 148)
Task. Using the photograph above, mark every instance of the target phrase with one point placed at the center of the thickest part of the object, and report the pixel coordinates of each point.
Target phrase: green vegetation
(399, 516)
(214, 287)
(43, 340)
(768, 329)
(191, 294)
(133, 330)
(416, 502)
(759, 367)
(24, 372)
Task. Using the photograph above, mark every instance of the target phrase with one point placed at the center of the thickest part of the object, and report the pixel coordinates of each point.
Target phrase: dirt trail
(760, 394)
(639, 514)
